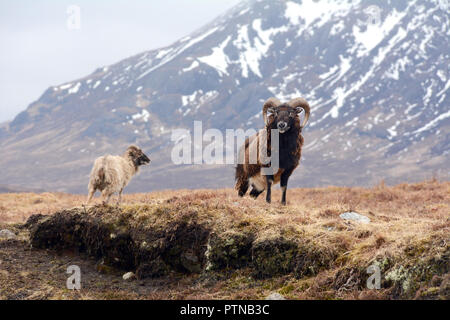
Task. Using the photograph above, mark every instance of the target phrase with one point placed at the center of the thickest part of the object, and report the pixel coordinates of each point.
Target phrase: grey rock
(353, 216)
(7, 234)
(129, 276)
(275, 296)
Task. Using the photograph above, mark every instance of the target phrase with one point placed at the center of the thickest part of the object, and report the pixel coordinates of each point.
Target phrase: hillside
(207, 244)
(378, 90)
(15, 189)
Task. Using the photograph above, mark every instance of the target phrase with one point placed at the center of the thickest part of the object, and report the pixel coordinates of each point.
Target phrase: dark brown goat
(284, 118)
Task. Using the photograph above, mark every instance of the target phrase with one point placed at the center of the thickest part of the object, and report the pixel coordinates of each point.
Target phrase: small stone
(275, 296)
(129, 276)
(6, 234)
(354, 217)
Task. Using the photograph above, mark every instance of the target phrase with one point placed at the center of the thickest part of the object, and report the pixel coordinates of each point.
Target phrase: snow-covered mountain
(376, 74)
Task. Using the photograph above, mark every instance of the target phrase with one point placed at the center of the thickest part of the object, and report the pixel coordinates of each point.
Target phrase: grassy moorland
(211, 244)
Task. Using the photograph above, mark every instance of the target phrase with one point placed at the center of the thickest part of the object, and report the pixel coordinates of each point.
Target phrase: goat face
(283, 117)
(137, 156)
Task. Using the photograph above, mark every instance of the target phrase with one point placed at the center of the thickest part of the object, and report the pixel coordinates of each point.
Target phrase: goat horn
(270, 103)
(302, 103)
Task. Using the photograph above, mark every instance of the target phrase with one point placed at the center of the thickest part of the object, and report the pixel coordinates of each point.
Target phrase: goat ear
(298, 110)
(271, 110)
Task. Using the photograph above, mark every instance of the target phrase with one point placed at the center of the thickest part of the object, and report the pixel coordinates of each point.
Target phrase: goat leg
(119, 200)
(269, 180)
(91, 195)
(283, 183)
(106, 197)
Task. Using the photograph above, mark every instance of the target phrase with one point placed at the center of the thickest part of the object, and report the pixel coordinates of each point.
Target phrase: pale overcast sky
(38, 50)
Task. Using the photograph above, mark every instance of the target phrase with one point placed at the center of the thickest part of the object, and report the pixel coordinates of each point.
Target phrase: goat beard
(284, 130)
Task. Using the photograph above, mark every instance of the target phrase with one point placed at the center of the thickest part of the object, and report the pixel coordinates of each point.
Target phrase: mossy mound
(422, 276)
(121, 242)
(160, 239)
(278, 255)
(273, 256)
(154, 241)
(229, 250)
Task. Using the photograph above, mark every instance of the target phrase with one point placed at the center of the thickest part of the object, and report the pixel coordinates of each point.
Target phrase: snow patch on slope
(170, 57)
(342, 93)
(75, 88)
(433, 123)
(375, 33)
(144, 116)
(317, 12)
(194, 65)
(218, 59)
(251, 54)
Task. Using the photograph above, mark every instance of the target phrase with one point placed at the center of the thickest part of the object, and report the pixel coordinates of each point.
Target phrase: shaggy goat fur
(256, 151)
(112, 174)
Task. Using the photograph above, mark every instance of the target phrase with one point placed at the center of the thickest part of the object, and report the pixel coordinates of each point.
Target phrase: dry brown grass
(401, 216)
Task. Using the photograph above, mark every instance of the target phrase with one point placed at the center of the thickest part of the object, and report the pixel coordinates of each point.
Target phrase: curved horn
(301, 103)
(270, 103)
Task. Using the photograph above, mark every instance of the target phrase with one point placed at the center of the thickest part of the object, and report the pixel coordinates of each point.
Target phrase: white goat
(112, 174)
